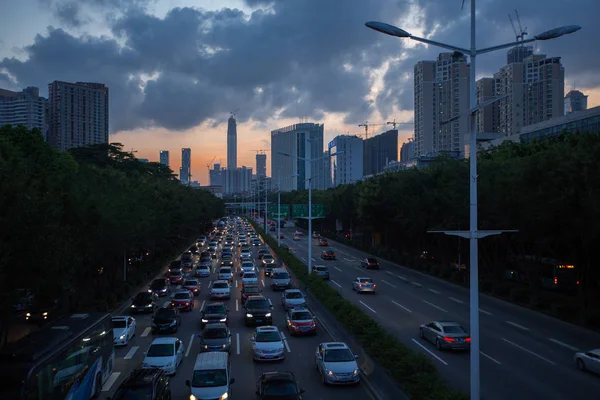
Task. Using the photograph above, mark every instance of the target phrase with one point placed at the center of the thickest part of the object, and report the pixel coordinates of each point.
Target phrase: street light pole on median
(473, 234)
(278, 206)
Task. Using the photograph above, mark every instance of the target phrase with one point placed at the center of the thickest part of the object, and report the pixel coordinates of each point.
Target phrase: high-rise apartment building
(407, 151)
(487, 118)
(347, 159)
(300, 141)
(378, 151)
(518, 53)
(575, 101)
(77, 114)
(261, 164)
(215, 175)
(231, 143)
(25, 108)
(327, 182)
(185, 172)
(164, 157)
(238, 180)
(441, 93)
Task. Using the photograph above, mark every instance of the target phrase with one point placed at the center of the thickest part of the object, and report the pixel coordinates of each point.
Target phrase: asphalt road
(299, 351)
(524, 354)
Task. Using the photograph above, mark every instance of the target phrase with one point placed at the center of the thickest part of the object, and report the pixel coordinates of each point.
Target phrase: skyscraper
(574, 101)
(378, 151)
(185, 172)
(216, 175)
(231, 143)
(261, 165)
(164, 157)
(25, 108)
(77, 114)
(347, 165)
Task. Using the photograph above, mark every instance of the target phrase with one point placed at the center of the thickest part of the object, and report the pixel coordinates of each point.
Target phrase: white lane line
(388, 272)
(402, 278)
(360, 301)
(456, 300)
(285, 342)
(401, 306)
(434, 291)
(491, 358)
(433, 305)
(335, 283)
(210, 284)
(358, 269)
(563, 344)
(529, 351)
(237, 305)
(337, 268)
(236, 283)
(387, 283)
(187, 352)
(485, 312)
(430, 352)
(202, 305)
(314, 259)
(131, 352)
(417, 284)
(237, 343)
(262, 281)
(110, 381)
(146, 332)
(303, 259)
(348, 259)
(517, 325)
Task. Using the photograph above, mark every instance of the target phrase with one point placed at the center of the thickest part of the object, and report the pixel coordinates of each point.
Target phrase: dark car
(328, 255)
(41, 313)
(147, 384)
(226, 261)
(160, 287)
(166, 320)
(370, 263)
(175, 277)
(215, 337)
(214, 313)
(249, 290)
(257, 311)
(323, 242)
(280, 385)
(175, 265)
(144, 302)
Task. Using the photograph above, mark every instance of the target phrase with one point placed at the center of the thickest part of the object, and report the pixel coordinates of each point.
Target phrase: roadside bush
(591, 318)
(486, 286)
(541, 300)
(501, 289)
(446, 272)
(521, 295)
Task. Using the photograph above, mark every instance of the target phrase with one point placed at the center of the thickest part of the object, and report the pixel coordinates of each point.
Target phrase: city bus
(69, 359)
(548, 273)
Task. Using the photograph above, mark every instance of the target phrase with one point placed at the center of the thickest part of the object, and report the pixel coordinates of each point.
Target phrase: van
(280, 279)
(211, 378)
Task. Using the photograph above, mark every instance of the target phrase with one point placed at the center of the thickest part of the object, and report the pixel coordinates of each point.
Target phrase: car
(328, 255)
(214, 313)
(202, 271)
(175, 265)
(292, 298)
(278, 385)
(245, 254)
(165, 353)
(285, 246)
(267, 344)
(123, 329)
(272, 228)
(160, 287)
(316, 235)
(152, 382)
(257, 311)
(369, 263)
(225, 274)
(166, 320)
(206, 259)
(588, 361)
(323, 242)
(267, 259)
(446, 335)
(247, 266)
(363, 285)
(298, 233)
(187, 260)
(211, 377)
(192, 285)
(144, 302)
(337, 364)
(249, 278)
(300, 321)
(296, 238)
(280, 279)
(183, 300)
(249, 290)
(261, 253)
(175, 277)
(321, 270)
(215, 337)
(220, 290)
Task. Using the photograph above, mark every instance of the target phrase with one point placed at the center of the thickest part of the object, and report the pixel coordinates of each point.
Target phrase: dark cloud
(68, 14)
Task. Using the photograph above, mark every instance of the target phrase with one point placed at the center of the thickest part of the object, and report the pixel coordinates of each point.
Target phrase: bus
(548, 273)
(69, 359)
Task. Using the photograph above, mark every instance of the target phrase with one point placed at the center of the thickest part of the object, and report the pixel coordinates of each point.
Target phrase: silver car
(225, 274)
(202, 271)
(588, 361)
(267, 344)
(292, 298)
(337, 364)
(321, 270)
(446, 335)
(363, 285)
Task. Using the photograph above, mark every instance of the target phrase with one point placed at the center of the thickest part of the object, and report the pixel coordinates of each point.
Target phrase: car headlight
(355, 372)
(29, 314)
(169, 364)
(330, 373)
(225, 396)
(249, 315)
(223, 320)
(173, 322)
(268, 315)
(204, 320)
(148, 305)
(132, 306)
(122, 337)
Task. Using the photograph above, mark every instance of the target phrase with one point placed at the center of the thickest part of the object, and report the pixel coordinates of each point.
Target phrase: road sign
(301, 211)
(273, 210)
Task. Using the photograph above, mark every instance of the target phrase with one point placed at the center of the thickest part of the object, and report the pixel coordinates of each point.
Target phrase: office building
(300, 141)
(347, 160)
(575, 101)
(261, 164)
(185, 172)
(407, 151)
(378, 151)
(238, 180)
(215, 175)
(164, 157)
(24, 108)
(327, 182)
(77, 114)
(231, 143)
(441, 93)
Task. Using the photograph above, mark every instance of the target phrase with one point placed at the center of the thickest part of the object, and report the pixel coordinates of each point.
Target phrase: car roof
(216, 325)
(214, 303)
(279, 270)
(335, 345)
(250, 286)
(190, 280)
(448, 323)
(256, 297)
(220, 281)
(211, 360)
(278, 376)
(267, 328)
(292, 291)
(295, 310)
(164, 340)
(364, 277)
(142, 377)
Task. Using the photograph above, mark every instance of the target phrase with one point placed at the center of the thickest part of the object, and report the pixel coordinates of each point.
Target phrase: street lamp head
(337, 153)
(558, 32)
(284, 154)
(387, 29)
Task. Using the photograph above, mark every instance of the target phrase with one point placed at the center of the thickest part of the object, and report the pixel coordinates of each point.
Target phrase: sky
(176, 69)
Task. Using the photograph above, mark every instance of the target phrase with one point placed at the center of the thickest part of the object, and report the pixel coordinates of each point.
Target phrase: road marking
(430, 352)
(433, 305)
(485, 312)
(491, 358)
(146, 332)
(529, 351)
(187, 352)
(285, 342)
(303, 259)
(434, 291)
(110, 381)
(563, 344)
(360, 301)
(456, 300)
(262, 281)
(236, 283)
(210, 284)
(131, 352)
(417, 284)
(401, 306)
(237, 343)
(314, 259)
(202, 305)
(348, 259)
(335, 283)
(517, 325)
(237, 305)
(337, 268)
(403, 278)
(388, 272)
(387, 283)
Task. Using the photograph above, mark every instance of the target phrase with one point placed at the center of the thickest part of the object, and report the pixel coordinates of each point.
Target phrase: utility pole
(278, 206)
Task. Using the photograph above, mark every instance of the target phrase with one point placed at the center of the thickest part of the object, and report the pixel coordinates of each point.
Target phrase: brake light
(449, 339)
(556, 281)
(374, 285)
(360, 285)
(468, 340)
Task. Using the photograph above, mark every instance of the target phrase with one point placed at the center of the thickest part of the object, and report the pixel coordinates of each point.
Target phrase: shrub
(542, 300)
(486, 286)
(591, 318)
(446, 272)
(521, 295)
(501, 289)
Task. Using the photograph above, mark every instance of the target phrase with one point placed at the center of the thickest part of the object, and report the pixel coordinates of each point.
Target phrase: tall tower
(164, 157)
(185, 173)
(231, 143)
(261, 165)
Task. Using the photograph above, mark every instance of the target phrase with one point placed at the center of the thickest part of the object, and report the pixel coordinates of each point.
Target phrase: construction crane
(521, 33)
(366, 125)
(233, 112)
(261, 151)
(394, 123)
(210, 163)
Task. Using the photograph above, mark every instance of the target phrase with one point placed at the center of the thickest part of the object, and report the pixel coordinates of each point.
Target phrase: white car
(588, 361)
(225, 274)
(267, 344)
(337, 364)
(220, 290)
(165, 353)
(246, 255)
(292, 298)
(123, 329)
(247, 266)
(249, 278)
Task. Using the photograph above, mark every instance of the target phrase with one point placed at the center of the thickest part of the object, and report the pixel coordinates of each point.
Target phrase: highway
(524, 354)
(299, 351)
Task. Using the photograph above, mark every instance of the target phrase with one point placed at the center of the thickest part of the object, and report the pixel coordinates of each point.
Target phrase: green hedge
(415, 373)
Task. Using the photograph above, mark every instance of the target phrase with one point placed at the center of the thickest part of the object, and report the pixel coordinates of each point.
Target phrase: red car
(328, 255)
(300, 322)
(282, 236)
(182, 300)
(175, 277)
(249, 290)
(192, 285)
(323, 242)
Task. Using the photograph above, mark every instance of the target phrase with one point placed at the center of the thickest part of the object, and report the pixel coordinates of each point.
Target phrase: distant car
(247, 266)
(446, 335)
(296, 238)
(328, 255)
(166, 320)
(215, 337)
(202, 271)
(245, 254)
(369, 263)
(337, 364)
(213, 313)
(278, 385)
(292, 298)
(164, 353)
(323, 242)
(285, 246)
(123, 329)
(225, 274)
(144, 302)
(267, 260)
(316, 235)
(321, 270)
(249, 278)
(363, 285)
(267, 344)
(281, 236)
(298, 233)
(258, 311)
(175, 277)
(160, 287)
(300, 321)
(220, 290)
(192, 285)
(182, 300)
(588, 361)
(249, 290)
(144, 380)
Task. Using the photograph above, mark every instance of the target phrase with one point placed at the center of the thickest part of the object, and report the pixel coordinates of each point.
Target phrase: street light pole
(266, 192)
(278, 207)
(308, 176)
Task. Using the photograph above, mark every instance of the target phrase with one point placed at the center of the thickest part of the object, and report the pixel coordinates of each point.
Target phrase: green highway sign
(273, 210)
(301, 211)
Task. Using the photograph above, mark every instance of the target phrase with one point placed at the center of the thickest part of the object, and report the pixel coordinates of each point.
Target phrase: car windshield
(330, 252)
(181, 296)
(371, 260)
(338, 355)
(161, 350)
(165, 313)
(215, 309)
(280, 275)
(280, 388)
(175, 273)
(220, 285)
(249, 275)
(142, 297)
(203, 267)
(190, 283)
(270, 336)
(210, 378)
(321, 269)
(267, 257)
(301, 316)
(258, 304)
(134, 393)
(365, 280)
(215, 333)
(225, 271)
(119, 323)
(251, 289)
(247, 266)
(293, 295)
(454, 329)
(158, 285)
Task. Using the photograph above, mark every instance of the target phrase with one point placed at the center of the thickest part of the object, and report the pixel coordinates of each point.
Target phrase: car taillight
(468, 340)
(360, 285)
(449, 339)
(374, 285)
